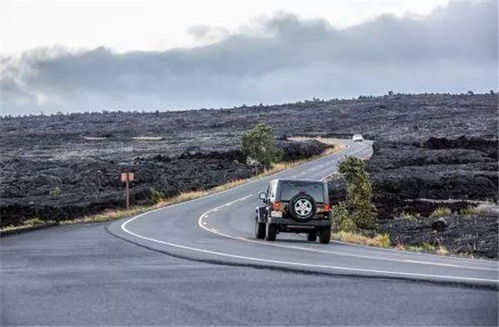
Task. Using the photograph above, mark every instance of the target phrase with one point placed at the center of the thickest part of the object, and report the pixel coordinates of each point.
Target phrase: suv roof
(280, 184)
(296, 180)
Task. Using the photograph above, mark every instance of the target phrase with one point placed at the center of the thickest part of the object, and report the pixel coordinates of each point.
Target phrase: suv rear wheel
(259, 230)
(271, 232)
(325, 235)
(302, 207)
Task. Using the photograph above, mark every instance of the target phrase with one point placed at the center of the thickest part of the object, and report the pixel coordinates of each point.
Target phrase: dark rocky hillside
(468, 235)
(419, 176)
(64, 188)
(426, 147)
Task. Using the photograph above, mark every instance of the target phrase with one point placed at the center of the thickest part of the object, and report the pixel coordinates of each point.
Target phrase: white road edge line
(124, 224)
(223, 254)
(235, 256)
(202, 223)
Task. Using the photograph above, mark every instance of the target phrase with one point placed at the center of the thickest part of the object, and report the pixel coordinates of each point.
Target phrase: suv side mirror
(262, 196)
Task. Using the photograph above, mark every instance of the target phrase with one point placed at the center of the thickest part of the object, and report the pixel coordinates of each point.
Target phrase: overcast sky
(93, 55)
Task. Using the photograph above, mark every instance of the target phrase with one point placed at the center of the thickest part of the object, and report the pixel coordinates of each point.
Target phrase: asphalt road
(216, 273)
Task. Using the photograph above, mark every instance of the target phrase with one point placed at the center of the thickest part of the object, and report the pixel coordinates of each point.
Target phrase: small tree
(359, 193)
(259, 144)
(341, 218)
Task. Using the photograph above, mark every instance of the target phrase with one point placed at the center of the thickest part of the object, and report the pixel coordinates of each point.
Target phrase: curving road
(219, 228)
(82, 275)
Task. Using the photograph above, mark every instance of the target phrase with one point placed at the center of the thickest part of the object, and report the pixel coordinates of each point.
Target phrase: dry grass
(475, 210)
(335, 144)
(400, 246)
(410, 216)
(380, 240)
(34, 222)
(425, 247)
(383, 240)
(27, 224)
(325, 140)
(110, 214)
(280, 166)
(441, 212)
(114, 214)
(441, 250)
(414, 248)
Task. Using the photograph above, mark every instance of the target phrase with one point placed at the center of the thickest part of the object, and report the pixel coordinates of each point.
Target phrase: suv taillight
(323, 208)
(277, 206)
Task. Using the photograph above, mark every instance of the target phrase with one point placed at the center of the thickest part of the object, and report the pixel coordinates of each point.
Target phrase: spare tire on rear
(302, 207)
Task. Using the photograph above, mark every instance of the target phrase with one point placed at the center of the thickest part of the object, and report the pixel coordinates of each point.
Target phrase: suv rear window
(291, 188)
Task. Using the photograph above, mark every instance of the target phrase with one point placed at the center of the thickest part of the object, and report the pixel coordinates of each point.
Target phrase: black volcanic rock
(292, 151)
(90, 185)
(429, 145)
(472, 235)
(405, 175)
(337, 187)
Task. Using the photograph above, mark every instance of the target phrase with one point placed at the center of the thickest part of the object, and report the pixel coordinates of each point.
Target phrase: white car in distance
(357, 138)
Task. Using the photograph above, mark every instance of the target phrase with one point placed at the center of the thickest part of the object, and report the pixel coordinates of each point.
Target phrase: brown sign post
(127, 178)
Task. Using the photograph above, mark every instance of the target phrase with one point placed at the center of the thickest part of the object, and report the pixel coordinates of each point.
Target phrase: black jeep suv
(294, 206)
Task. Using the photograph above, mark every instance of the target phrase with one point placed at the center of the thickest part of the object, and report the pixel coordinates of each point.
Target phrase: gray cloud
(452, 50)
(208, 33)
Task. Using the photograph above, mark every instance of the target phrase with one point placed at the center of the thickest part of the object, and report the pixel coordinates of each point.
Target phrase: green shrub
(414, 248)
(156, 196)
(56, 191)
(428, 247)
(347, 225)
(341, 219)
(440, 212)
(359, 193)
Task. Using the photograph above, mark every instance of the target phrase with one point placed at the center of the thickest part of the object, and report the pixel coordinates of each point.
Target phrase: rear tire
(302, 207)
(271, 232)
(259, 230)
(312, 237)
(325, 235)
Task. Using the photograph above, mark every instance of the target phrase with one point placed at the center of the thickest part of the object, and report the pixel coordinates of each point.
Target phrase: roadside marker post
(127, 178)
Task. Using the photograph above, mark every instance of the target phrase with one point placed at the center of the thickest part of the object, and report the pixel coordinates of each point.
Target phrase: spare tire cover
(302, 207)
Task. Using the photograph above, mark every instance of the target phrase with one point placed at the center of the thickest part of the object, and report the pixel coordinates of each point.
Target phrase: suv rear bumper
(291, 225)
